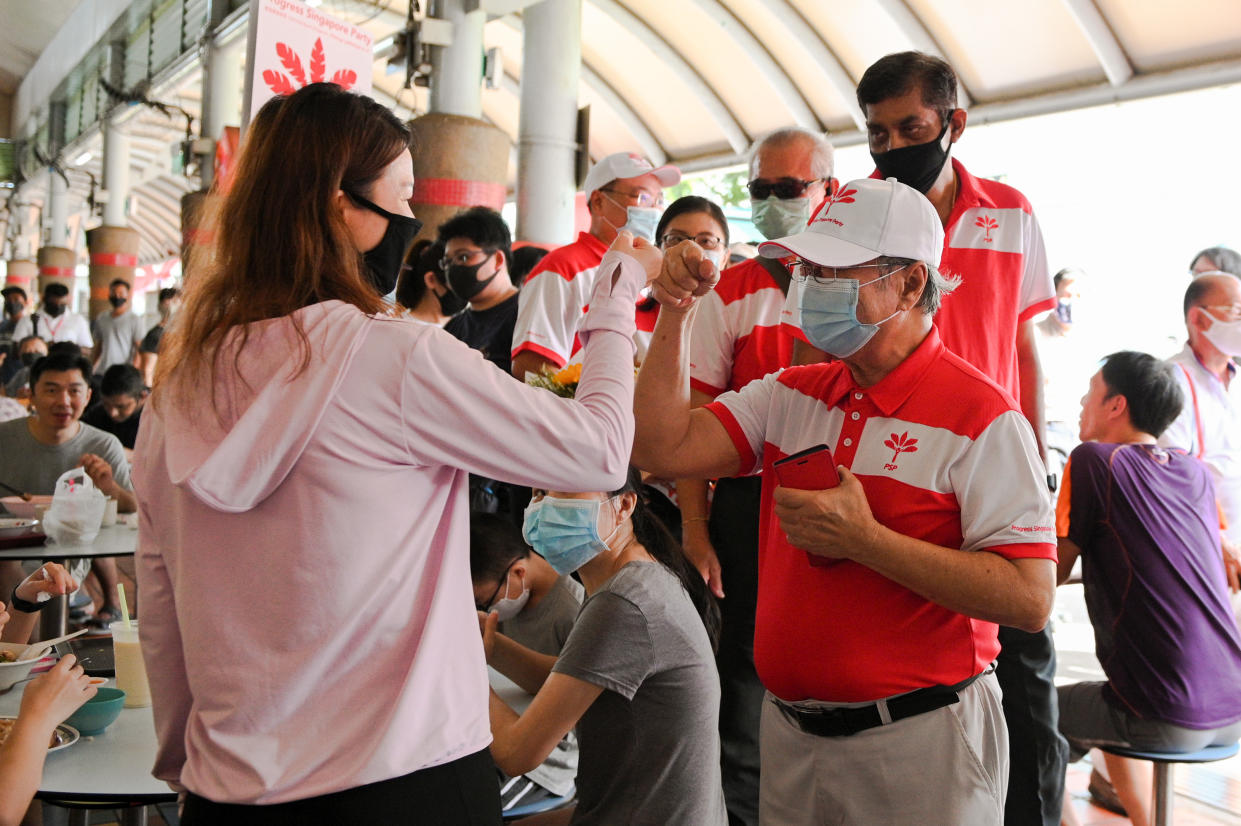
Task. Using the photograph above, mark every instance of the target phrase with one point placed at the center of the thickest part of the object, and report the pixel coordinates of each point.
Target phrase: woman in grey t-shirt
(637, 674)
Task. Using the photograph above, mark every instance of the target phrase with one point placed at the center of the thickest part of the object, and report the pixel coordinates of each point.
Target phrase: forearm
(511, 754)
(1030, 377)
(21, 766)
(978, 584)
(662, 395)
(20, 625)
(529, 669)
(126, 502)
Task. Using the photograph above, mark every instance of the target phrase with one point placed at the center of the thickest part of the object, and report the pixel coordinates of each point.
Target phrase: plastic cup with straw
(131, 675)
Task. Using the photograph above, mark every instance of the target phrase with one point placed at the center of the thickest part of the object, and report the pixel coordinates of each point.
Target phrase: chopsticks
(25, 497)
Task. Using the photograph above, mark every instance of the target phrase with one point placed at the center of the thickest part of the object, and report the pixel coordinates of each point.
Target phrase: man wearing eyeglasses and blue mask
(994, 245)
(879, 597)
(623, 191)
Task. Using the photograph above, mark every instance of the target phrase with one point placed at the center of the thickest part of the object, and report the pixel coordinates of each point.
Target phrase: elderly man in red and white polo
(879, 596)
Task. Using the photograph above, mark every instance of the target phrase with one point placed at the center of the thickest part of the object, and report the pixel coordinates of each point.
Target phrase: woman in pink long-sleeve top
(307, 614)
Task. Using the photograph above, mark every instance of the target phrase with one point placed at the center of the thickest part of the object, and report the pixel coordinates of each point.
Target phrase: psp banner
(292, 44)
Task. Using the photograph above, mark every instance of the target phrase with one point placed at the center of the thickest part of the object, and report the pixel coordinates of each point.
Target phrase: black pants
(465, 792)
(734, 533)
(1026, 669)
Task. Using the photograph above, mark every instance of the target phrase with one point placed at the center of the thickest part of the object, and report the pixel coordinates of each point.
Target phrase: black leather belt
(843, 722)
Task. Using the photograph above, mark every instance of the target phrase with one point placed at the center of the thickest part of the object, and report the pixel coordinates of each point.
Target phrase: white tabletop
(117, 540)
(113, 766)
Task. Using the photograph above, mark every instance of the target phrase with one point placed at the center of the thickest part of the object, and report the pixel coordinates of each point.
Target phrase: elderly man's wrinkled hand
(686, 275)
(641, 250)
(836, 523)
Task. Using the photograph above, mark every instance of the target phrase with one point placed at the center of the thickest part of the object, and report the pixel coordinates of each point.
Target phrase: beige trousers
(948, 766)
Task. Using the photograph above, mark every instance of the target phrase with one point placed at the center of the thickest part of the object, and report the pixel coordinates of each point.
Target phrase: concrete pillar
(57, 265)
(223, 85)
(21, 273)
(115, 174)
(547, 128)
(458, 163)
(113, 255)
(56, 216)
(457, 70)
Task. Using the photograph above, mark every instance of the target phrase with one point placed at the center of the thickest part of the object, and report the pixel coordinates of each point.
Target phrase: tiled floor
(1206, 795)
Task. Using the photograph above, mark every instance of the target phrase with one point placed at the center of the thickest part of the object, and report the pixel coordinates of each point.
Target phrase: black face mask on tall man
(385, 259)
(917, 166)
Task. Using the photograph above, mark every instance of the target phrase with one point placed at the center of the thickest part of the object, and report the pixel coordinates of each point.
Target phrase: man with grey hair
(737, 339)
(911, 519)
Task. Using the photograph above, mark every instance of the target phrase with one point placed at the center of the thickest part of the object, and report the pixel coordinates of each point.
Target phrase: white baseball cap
(627, 165)
(865, 219)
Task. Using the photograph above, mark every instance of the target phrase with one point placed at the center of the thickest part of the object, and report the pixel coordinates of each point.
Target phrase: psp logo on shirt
(898, 445)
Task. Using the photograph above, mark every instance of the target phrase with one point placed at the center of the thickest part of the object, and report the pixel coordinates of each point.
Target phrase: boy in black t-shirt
(124, 394)
(477, 252)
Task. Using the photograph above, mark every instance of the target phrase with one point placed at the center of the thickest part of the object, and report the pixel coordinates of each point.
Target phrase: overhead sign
(292, 44)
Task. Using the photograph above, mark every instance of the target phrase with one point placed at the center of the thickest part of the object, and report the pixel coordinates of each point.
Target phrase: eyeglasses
(804, 271)
(642, 199)
(1231, 311)
(783, 188)
(703, 239)
(462, 258)
(483, 606)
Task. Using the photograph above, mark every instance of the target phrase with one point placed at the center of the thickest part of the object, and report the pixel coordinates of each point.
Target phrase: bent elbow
(1037, 610)
(513, 763)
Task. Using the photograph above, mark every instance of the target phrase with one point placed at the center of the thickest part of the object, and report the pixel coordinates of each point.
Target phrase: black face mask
(450, 303)
(53, 310)
(463, 278)
(117, 301)
(13, 307)
(28, 359)
(385, 260)
(916, 166)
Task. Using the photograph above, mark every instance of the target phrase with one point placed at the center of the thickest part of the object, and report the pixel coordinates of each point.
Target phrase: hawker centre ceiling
(691, 82)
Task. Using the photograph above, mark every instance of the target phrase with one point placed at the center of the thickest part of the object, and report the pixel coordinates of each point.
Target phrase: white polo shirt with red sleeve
(994, 245)
(737, 336)
(944, 455)
(555, 297)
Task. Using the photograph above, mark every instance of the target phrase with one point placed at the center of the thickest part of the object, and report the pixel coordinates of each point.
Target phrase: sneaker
(1103, 794)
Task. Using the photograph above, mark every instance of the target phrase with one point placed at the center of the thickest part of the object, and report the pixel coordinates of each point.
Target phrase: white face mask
(1225, 335)
(506, 608)
(716, 257)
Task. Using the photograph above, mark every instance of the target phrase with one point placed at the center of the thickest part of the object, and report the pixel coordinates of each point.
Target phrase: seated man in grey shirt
(36, 450)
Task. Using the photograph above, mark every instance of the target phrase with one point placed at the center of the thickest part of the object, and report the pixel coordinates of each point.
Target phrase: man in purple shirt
(1145, 524)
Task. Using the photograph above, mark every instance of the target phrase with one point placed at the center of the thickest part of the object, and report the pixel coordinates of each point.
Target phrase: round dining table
(114, 540)
(108, 770)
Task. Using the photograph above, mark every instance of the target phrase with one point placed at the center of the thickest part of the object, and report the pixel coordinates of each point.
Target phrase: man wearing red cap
(623, 191)
(879, 597)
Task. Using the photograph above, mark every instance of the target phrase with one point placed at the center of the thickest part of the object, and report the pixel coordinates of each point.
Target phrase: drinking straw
(120, 590)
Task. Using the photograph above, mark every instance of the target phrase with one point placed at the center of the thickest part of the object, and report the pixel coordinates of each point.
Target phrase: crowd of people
(798, 570)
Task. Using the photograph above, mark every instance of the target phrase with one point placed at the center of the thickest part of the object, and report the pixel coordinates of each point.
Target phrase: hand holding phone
(811, 469)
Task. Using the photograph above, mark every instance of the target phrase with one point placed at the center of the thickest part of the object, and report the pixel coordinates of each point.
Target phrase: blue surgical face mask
(829, 315)
(642, 222)
(565, 532)
(776, 218)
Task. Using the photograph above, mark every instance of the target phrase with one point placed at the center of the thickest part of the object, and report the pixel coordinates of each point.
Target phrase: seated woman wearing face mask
(637, 675)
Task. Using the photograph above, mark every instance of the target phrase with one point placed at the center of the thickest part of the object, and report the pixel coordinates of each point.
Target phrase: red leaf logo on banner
(277, 82)
(292, 63)
(345, 78)
(318, 65)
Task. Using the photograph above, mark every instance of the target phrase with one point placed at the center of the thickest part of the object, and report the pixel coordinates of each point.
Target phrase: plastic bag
(77, 510)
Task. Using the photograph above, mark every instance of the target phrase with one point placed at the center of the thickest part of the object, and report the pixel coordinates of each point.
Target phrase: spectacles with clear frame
(703, 239)
(462, 258)
(804, 271)
(642, 199)
(1231, 311)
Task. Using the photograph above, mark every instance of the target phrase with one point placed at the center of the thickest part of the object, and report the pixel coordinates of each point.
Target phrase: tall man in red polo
(994, 245)
(622, 190)
(878, 599)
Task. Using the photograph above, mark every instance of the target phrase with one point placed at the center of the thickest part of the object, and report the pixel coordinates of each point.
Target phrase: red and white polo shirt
(944, 455)
(994, 244)
(557, 294)
(737, 336)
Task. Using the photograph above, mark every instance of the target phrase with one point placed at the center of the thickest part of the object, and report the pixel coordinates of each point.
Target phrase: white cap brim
(818, 249)
(666, 175)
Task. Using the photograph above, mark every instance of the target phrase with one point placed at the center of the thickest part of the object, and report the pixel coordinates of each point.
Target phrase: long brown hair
(278, 240)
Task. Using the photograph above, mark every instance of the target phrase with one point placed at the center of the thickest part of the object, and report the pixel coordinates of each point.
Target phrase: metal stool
(1162, 802)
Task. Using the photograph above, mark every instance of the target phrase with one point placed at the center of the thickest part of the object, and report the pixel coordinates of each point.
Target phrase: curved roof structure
(692, 82)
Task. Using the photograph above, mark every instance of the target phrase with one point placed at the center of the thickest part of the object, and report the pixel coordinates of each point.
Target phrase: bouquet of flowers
(562, 382)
